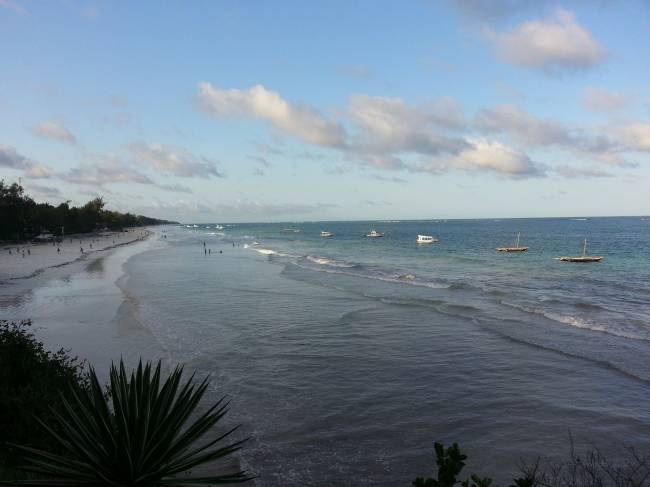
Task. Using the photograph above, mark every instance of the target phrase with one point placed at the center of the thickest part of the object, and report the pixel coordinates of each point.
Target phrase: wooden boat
(584, 257)
(516, 248)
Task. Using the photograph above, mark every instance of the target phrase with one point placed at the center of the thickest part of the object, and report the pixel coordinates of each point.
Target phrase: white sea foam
(576, 321)
(331, 262)
(264, 251)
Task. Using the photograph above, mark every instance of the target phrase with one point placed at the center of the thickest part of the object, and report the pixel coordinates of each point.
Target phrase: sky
(226, 111)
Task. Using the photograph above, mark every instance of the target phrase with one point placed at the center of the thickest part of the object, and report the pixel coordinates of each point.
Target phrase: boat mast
(518, 234)
(584, 249)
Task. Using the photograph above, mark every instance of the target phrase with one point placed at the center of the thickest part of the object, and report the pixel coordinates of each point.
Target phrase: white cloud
(108, 170)
(298, 120)
(390, 125)
(554, 44)
(531, 131)
(636, 136)
(50, 129)
(173, 160)
(10, 158)
(601, 100)
(485, 155)
(524, 127)
(40, 171)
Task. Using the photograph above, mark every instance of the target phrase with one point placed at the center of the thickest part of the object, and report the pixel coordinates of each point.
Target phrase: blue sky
(277, 111)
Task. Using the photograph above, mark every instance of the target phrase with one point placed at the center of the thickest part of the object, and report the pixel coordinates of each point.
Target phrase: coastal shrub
(137, 436)
(31, 382)
(451, 462)
(589, 469)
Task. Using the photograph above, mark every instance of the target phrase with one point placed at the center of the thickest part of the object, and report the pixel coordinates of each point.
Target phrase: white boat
(325, 234)
(516, 248)
(219, 227)
(426, 239)
(374, 234)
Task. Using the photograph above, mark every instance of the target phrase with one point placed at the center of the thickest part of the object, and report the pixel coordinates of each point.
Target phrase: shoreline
(16, 264)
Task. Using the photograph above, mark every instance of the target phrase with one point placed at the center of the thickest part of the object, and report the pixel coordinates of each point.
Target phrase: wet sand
(27, 259)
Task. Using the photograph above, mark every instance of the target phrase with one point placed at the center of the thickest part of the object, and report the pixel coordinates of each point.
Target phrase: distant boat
(291, 230)
(426, 239)
(219, 227)
(325, 234)
(584, 257)
(516, 248)
(374, 234)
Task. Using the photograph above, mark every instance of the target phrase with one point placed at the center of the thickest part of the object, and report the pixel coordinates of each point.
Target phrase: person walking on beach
(29, 252)
(209, 251)
(82, 249)
(205, 252)
(58, 250)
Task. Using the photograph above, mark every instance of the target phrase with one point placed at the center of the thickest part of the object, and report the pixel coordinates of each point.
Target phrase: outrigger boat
(374, 234)
(516, 248)
(426, 239)
(584, 257)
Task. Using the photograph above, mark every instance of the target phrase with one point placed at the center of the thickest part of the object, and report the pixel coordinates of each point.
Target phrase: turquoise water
(347, 357)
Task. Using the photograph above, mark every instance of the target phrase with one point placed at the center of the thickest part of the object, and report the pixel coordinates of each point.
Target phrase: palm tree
(141, 440)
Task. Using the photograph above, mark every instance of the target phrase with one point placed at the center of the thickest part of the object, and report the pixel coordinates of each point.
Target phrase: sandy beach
(28, 259)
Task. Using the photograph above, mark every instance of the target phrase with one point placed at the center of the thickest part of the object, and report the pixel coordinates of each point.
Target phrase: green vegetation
(590, 469)
(31, 382)
(450, 463)
(22, 218)
(69, 431)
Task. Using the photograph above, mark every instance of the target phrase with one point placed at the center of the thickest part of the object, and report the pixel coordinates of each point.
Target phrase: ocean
(346, 357)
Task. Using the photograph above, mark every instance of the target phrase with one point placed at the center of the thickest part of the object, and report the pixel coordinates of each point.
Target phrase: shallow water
(346, 358)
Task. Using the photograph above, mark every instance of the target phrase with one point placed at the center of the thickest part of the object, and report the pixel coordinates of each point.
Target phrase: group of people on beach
(26, 251)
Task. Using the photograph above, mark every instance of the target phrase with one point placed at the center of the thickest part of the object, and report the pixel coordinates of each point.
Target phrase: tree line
(22, 218)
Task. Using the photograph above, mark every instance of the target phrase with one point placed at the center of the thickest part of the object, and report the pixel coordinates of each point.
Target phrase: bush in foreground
(590, 469)
(31, 382)
(136, 437)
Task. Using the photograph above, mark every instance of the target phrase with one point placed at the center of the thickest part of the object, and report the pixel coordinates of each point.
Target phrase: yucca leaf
(140, 437)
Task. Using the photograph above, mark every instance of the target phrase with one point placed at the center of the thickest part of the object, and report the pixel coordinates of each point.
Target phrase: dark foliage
(451, 462)
(31, 382)
(137, 437)
(22, 218)
(591, 469)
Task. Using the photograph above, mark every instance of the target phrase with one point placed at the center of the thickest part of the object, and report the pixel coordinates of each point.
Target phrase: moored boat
(584, 258)
(516, 248)
(426, 239)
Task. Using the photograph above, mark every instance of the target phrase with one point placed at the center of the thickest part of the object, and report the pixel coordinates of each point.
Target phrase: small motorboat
(426, 239)
(325, 234)
(374, 234)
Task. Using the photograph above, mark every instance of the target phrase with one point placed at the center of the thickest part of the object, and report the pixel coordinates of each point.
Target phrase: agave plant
(142, 439)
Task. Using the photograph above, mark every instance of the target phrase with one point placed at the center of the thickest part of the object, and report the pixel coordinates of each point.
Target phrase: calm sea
(345, 358)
